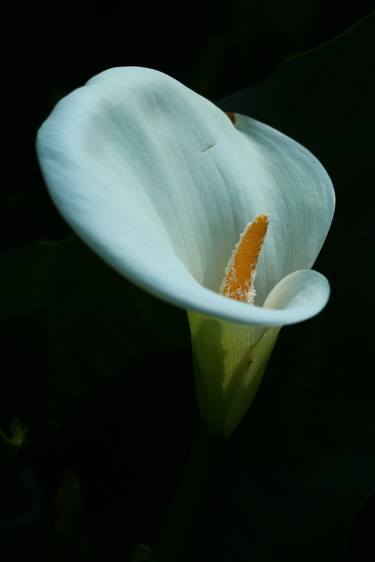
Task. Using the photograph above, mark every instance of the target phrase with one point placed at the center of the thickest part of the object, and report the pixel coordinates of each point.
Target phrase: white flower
(161, 183)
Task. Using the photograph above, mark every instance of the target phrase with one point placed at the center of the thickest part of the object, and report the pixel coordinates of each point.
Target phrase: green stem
(173, 539)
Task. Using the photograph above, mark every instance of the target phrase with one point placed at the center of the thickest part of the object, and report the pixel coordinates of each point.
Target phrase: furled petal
(158, 181)
(230, 358)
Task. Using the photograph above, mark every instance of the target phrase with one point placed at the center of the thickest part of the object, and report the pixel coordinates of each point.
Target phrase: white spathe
(160, 183)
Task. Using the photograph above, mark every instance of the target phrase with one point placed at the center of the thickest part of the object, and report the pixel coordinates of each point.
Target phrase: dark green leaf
(95, 327)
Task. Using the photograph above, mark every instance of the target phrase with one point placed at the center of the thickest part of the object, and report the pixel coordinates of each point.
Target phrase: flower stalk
(175, 534)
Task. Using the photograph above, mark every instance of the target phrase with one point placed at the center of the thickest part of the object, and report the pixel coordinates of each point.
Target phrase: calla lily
(161, 183)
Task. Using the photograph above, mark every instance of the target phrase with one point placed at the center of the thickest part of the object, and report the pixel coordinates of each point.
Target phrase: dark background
(214, 48)
(91, 366)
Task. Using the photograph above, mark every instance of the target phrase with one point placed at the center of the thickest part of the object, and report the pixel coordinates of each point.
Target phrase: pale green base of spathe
(229, 360)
